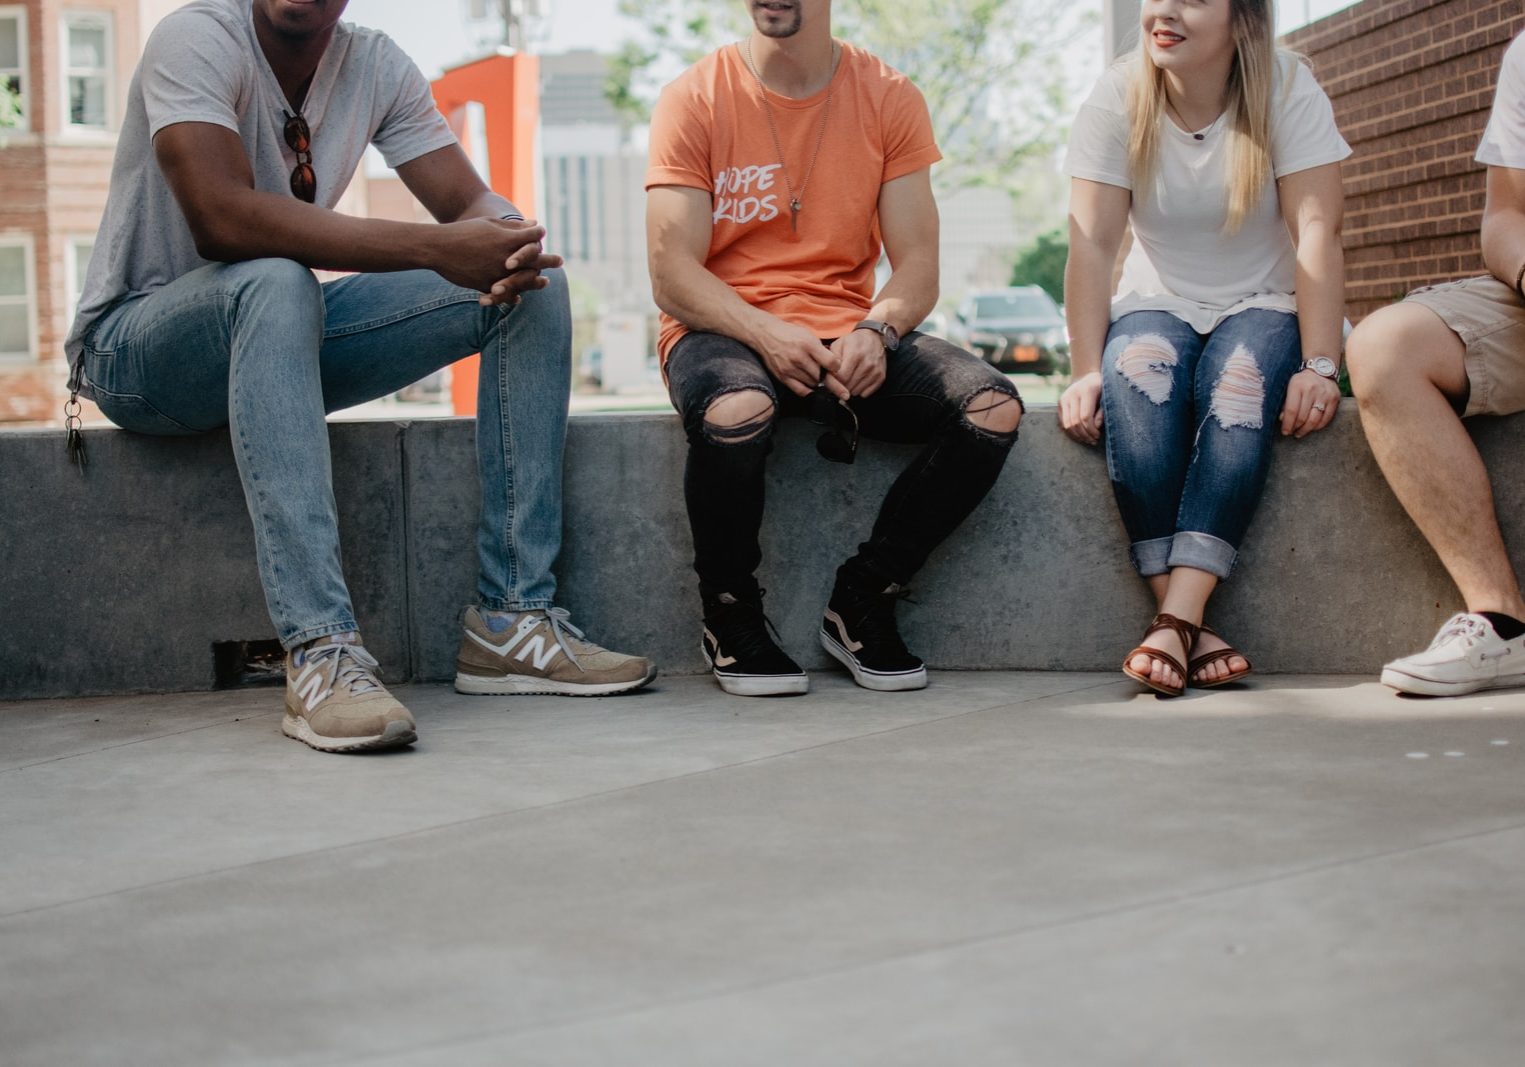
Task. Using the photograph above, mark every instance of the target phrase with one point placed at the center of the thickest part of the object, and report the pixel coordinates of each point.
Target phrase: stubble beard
(776, 30)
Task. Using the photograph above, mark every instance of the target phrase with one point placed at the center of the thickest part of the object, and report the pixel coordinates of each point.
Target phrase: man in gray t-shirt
(245, 121)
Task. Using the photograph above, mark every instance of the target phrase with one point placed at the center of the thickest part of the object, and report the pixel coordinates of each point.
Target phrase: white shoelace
(560, 620)
(350, 666)
(1469, 630)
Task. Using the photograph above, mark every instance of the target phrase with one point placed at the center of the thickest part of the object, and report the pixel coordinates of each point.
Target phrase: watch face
(1323, 365)
(891, 337)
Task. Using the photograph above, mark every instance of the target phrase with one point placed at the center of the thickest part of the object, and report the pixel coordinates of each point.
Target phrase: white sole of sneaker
(879, 681)
(396, 735)
(523, 685)
(759, 685)
(1428, 687)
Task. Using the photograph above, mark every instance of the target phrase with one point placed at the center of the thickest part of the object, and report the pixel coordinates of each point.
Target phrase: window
(1295, 14)
(13, 79)
(76, 262)
(16, 313)
(87, 70)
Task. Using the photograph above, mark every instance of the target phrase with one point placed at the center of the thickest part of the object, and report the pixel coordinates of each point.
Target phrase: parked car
(1016, 329)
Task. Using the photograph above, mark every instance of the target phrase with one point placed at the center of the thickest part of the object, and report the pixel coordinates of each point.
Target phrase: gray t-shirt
(203, 63)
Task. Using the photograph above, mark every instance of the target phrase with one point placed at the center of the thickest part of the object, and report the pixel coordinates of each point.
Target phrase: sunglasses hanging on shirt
(304, 181)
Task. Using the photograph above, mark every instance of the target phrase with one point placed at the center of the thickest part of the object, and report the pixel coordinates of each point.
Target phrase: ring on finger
(1319, 407)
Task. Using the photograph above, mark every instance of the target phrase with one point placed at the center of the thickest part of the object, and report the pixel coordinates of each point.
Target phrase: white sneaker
(1466, 655)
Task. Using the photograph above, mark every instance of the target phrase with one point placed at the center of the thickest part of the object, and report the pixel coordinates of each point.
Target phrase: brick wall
(53, 188)
(1411, 82)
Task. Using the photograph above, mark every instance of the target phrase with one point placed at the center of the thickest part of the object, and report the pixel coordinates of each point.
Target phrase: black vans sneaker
(742, 654)
(859, 630)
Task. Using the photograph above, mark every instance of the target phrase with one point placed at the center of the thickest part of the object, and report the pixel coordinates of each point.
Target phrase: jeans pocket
(132, 412)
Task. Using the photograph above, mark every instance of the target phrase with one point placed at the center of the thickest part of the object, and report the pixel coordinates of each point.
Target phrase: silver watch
(1323, 366)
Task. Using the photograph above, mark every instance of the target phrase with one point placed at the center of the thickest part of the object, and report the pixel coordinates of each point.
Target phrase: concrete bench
(125, 578)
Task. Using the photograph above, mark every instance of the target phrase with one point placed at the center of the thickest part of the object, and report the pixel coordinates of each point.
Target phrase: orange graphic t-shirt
(710, 131)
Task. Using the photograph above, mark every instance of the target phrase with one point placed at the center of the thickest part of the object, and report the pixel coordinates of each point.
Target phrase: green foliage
(1042, 263)
(992, 71)
(10, 106)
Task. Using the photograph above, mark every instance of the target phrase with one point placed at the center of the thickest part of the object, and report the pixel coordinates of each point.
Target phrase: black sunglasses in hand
(840, 443)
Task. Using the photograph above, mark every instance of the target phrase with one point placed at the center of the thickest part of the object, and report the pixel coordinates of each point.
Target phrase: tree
(10, 106)
(1042, 263)
(991, 70)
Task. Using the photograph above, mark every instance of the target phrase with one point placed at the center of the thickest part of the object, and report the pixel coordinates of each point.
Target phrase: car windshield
(1013, 306)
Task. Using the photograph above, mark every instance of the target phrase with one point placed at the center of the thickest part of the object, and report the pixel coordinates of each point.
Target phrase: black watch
(1323, 366)
(885, 331)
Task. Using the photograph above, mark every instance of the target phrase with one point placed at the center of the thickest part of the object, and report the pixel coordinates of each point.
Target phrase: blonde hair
(1249, 92)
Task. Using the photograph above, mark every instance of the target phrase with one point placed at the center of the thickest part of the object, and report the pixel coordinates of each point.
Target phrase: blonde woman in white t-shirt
(1223, 155)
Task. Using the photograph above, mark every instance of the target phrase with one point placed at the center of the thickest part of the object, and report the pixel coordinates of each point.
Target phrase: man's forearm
(1504, 245)
(908, 297)
(257, 225)
(701, 301)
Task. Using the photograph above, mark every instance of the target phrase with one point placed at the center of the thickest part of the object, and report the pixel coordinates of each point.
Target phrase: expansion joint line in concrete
(410, 592)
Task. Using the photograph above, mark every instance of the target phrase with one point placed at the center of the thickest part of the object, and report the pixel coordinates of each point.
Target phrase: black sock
(1506, 626)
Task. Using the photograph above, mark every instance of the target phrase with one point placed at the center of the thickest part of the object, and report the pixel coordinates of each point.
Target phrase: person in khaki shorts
(1418, 368)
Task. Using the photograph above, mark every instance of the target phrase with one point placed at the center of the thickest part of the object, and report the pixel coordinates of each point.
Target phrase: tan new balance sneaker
(540, 652)
(335, 704)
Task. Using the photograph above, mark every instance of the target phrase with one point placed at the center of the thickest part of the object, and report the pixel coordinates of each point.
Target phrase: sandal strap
(1155, 653)
(1208, 658)
(1186, 631)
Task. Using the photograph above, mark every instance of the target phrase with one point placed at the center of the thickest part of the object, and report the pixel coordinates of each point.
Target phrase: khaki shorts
(1489, 317)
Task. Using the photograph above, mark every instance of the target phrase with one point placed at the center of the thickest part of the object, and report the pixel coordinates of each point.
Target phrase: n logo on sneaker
(310, 688)
(534, 649)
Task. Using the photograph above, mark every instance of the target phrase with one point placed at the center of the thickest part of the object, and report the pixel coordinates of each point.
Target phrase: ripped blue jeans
(1189, 420)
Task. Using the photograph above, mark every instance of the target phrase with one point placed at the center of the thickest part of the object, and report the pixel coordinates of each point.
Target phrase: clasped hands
(499, 258)
(852, 365)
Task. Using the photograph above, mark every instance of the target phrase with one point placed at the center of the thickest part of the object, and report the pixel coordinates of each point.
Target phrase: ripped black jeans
(928, 384)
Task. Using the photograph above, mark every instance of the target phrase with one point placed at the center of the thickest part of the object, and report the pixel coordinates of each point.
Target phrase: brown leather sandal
(1206, 658)
(1188, 635)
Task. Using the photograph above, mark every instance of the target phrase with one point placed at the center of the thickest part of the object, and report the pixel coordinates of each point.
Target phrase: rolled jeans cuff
(1204, 552)
(499, 604)
(291, 641)
(1151, 557)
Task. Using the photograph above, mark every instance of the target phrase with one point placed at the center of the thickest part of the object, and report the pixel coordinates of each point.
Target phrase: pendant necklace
(1172, 109)
(796, 201)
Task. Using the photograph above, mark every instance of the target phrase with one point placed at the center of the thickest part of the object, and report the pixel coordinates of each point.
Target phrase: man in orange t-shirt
(780, 166)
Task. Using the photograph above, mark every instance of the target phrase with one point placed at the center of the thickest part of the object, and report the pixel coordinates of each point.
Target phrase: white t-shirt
(203, 63)
(1182, 261)
(1503, 143)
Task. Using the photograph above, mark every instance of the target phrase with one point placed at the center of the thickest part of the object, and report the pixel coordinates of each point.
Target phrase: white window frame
(27, 299)
(66, 21)
(1295, 14)
(72, 290)
(23, 73)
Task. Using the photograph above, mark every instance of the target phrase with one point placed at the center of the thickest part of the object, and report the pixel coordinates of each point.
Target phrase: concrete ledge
(121, 580)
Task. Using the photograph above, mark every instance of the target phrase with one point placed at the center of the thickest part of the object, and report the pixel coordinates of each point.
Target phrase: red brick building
(69, 62)
(1412, 83)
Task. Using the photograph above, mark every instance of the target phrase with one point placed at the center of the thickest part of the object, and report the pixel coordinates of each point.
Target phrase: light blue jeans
(262, 348)
(1189, 423)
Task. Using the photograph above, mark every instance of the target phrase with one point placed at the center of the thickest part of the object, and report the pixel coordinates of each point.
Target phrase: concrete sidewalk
(1004, 869)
